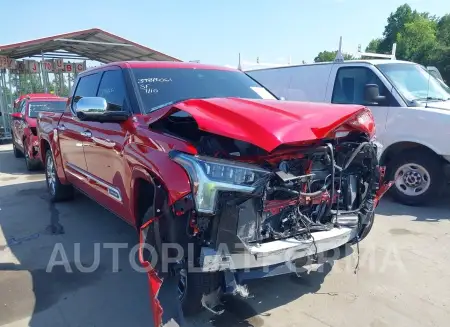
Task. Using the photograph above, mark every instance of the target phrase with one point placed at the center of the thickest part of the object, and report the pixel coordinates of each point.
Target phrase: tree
(443, 30)
(374, 45)
(417, 40)
(395, 25)
(325, 56)
(420, 37)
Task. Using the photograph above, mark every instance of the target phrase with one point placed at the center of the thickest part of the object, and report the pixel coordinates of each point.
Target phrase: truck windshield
(414, 82)
(159, 87)
(35, 107)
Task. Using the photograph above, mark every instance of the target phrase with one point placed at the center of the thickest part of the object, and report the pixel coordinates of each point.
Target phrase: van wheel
(418, 176)
(58, 192)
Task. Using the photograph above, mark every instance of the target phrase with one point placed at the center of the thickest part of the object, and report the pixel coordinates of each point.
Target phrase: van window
(350, 83)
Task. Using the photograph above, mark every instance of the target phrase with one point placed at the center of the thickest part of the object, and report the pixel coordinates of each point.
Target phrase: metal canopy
(94, 44)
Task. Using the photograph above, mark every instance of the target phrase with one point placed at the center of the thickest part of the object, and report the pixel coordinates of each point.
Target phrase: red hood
(264, 123)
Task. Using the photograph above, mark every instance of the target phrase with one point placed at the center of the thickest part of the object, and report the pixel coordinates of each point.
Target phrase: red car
(23, 124)
(224, 181)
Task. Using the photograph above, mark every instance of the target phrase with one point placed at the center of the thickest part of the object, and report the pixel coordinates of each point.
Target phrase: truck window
(87, 86)
(350, 83)
(112, 89)
(161, 86)
(22, 107)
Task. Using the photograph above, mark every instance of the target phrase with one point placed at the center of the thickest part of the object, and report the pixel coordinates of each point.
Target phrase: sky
(216, 31)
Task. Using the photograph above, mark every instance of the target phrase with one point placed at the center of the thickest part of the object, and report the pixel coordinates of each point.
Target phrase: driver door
(349, 88)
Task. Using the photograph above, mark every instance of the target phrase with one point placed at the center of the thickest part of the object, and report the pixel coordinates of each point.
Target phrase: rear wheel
(58, 192)
(418, 175)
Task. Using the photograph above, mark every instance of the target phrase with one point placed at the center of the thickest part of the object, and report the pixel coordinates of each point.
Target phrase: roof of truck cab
(159, 64)
(346, 62)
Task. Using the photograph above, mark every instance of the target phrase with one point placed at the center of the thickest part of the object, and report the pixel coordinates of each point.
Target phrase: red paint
(267, 123)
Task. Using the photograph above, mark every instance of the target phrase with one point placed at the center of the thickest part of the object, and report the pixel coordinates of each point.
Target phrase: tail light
(363, 121)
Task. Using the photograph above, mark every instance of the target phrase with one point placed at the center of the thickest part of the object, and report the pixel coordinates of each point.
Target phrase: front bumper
(275, 252)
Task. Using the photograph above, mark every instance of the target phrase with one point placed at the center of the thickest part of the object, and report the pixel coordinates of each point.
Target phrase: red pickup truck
(23, 124)
(224, 181)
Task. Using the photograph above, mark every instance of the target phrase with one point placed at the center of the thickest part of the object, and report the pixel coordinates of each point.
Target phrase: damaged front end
(252, 209)
(249, 214)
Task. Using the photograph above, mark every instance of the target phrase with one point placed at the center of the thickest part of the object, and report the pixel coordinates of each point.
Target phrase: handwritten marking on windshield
(147, 88)
(154, 80)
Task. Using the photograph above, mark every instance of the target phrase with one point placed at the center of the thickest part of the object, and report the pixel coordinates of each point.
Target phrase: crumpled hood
(264, 123)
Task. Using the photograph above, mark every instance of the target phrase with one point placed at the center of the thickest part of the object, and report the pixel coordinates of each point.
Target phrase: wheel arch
(399, 147)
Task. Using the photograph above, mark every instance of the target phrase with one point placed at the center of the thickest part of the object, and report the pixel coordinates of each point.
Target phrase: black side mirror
(372, 94)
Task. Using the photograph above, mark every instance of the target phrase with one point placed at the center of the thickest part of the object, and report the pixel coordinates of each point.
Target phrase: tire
(416, 166)
(198, 284)
(16, 151)
(32, 164)
(58, 192)
(195, 284)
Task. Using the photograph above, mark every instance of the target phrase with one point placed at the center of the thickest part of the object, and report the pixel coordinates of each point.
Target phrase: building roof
(94, 44)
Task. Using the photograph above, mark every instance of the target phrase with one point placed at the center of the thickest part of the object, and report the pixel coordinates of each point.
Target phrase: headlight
(210, 175)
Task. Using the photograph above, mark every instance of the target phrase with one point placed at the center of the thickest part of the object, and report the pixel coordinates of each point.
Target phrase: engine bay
(311, 187)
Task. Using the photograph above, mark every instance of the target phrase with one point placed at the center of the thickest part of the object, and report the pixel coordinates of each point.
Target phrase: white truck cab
(411, 109)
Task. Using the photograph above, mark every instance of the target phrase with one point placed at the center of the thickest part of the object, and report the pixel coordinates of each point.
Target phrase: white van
(411, 109)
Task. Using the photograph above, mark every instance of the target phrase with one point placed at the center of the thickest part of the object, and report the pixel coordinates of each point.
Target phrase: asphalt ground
(402, 280)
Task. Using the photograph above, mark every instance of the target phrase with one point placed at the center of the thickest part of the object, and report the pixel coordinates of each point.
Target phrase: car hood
(439, 105)
(264, 123)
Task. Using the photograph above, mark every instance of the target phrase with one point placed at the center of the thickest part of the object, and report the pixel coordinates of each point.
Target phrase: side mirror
(96, 109)
(17, 116)
(372, 94)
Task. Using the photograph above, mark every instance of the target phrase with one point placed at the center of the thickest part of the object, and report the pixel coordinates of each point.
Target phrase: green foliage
(420, 38)
(326, 56)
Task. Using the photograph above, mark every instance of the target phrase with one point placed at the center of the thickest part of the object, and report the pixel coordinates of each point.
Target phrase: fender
(411, 139)
(51, 138)
(146, 160)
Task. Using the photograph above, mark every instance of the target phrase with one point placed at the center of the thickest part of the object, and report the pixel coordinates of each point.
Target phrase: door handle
(61, 127)
(86, 134)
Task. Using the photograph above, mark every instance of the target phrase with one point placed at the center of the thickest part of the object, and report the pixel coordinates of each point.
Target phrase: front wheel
(16, 151)
(32, 164)
(58, 192)
(418, 176)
